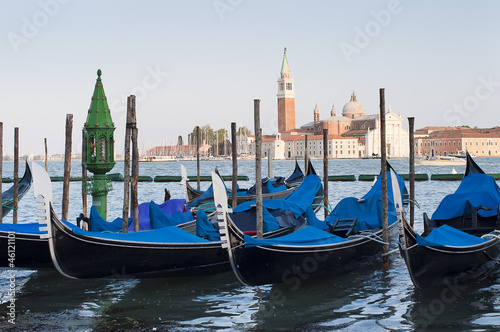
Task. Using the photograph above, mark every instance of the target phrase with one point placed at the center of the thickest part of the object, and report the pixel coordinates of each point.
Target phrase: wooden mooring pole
(258, 170)
(383, 166)
(135, 166)
(84, 179)
(411, 122)
(234, 154)
(305, 155)
(47, 156)
(126, 168)
(198, 157)
(270, 163)
(1, 167)
(67, 165)
(16, 174)
(325, 169)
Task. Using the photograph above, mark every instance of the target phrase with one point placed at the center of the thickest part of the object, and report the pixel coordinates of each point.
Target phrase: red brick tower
(286, 99)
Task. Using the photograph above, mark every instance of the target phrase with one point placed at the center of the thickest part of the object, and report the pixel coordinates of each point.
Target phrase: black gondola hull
(81, 256)
(29, 251)
(291, 264)
(438, 266)
(23, 187)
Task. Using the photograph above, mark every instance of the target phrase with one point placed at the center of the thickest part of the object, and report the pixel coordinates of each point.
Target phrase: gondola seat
(343, 227)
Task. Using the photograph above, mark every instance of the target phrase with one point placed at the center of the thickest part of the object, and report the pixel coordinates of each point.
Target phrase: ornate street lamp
(98, 154)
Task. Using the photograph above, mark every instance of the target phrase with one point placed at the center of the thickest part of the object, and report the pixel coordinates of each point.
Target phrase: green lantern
(98, 154)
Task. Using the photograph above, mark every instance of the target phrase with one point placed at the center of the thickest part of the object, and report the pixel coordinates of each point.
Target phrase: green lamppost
(98, 154)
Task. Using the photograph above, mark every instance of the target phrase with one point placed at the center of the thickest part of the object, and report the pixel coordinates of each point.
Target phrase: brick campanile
(286, 98)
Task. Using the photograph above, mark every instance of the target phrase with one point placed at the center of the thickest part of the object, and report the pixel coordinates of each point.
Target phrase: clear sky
(203, 62)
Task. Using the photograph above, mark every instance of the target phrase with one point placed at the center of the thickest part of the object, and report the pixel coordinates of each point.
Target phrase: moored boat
(461, 241)
(319, 249)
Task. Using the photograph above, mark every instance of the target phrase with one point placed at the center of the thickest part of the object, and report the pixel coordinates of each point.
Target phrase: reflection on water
(367, 299)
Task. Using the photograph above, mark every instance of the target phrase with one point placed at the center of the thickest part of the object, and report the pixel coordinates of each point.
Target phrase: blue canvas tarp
(474, 190)
(98, 224)
(29, 228)
(297, 201)
(170, 234)
(159, 219)
(204, 228)
(448, 236)
(169, 208)
(307, 236)
(368, 209)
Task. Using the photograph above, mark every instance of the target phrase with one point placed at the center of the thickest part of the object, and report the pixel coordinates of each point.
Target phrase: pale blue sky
(203, 62)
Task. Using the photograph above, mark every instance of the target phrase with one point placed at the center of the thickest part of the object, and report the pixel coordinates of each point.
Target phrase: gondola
(20, 244)
(8, 195)
(165, 252)
(461, 241)
(311, 251)
(272, 188)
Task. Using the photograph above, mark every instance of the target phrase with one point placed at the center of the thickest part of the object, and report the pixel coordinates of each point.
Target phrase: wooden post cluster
(383, 167)
(67, 166)
(325, 169)
(258, 170)
(234, 154)
(411, 129)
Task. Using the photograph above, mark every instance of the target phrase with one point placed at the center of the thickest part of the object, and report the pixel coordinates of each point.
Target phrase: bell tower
(286, 98)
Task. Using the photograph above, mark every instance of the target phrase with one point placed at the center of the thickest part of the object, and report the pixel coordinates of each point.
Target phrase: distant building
(286, 98)
(444, 141)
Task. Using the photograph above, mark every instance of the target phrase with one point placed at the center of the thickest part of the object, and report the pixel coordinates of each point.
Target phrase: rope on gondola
(391, 252)
(414, 202)
(9, 207)
(372, 237)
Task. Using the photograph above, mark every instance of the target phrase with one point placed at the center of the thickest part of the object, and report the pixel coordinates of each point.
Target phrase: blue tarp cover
(170, 234)
(158, 218)
(368, 209)
(30, 228)
(204, 228)
(98, 224)
(448, 236)
(297, 201)
(474, 190)
(169, 208)
(307, 236)
(313, 221)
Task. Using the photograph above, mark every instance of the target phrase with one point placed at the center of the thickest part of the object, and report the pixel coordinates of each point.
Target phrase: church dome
(354, 107)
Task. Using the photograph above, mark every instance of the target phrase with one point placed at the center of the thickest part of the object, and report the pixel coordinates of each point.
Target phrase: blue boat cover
(98, 224)
(307, 236)
(204, 228)
(159, 219)
(313, 221)
(368, 209)
(169, 234)
(29, 228)
(448, 236)
(474, 190)
(297, 201)
(169, 208)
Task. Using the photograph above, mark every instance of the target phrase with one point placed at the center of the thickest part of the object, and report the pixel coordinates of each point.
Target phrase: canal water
(367, 299)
